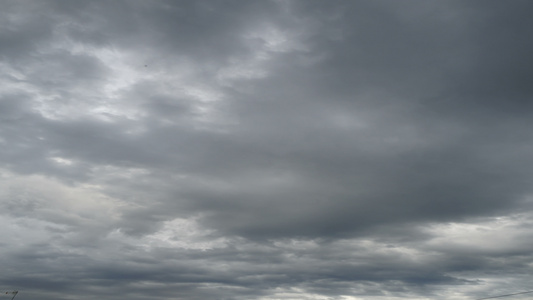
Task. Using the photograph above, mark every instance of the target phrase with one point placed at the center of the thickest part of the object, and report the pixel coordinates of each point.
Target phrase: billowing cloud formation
(266, 149)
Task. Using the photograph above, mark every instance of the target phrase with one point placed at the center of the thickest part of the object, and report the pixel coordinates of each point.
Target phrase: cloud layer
(266, 149)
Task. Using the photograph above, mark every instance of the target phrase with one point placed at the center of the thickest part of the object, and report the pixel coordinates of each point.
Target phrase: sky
(266, 150)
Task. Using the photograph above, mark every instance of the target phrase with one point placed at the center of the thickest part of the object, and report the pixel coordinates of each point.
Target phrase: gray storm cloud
(266, 149)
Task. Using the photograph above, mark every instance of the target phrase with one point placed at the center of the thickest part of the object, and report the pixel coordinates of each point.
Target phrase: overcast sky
(261, 150)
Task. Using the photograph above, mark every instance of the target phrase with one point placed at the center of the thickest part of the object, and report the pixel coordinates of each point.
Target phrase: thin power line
(500, 296)
(13, 292)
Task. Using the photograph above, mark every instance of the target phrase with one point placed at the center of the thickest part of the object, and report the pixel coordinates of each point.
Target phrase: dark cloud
(265, 149)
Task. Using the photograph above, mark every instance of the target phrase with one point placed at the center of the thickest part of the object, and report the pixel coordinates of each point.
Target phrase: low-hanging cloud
(265, 149)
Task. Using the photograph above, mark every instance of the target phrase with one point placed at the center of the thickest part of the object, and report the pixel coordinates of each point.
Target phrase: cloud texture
(266, 149)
